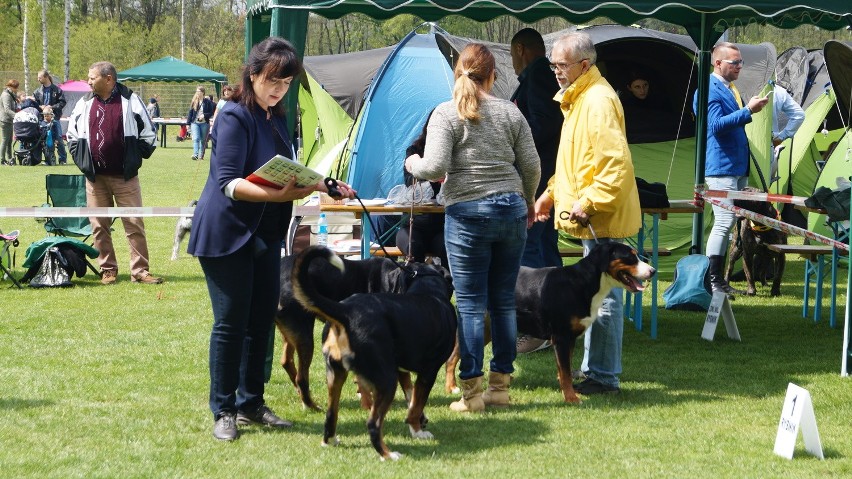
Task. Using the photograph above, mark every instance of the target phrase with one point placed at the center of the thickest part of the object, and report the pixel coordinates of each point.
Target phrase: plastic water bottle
(322, 230)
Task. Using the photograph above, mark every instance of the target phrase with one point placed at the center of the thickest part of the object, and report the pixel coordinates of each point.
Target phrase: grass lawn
(112, 382)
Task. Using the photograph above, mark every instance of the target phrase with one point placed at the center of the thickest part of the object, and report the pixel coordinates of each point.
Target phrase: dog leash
(592, 230)
(564, 215)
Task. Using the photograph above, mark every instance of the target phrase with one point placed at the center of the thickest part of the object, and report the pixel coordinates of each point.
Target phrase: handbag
(52, 273)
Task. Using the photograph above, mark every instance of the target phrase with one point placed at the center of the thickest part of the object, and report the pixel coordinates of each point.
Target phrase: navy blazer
(537, 86)
(243, 140)
(727, 144)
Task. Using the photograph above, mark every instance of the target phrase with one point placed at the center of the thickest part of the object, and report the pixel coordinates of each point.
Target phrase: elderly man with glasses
(727, 160)
(593, 190)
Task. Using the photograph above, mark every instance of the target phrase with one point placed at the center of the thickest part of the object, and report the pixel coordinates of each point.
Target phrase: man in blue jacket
(727, 161)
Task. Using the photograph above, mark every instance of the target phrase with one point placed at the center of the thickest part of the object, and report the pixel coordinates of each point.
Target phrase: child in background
(51, 131)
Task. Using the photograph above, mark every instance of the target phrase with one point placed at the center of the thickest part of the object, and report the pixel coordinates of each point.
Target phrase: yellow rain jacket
(593, 164)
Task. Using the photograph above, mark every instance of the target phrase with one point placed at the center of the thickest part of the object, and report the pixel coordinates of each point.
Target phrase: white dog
(184, 225)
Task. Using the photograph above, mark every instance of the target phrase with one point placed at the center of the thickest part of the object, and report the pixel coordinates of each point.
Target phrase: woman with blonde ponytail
(484, 147)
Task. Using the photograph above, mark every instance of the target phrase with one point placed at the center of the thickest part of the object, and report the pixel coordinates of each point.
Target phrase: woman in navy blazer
(237, 231)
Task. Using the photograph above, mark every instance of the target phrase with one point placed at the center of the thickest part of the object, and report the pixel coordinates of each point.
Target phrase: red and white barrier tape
(753, 195)
(113, 212)
(778, 225)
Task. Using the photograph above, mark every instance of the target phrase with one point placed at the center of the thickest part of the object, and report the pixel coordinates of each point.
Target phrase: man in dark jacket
(50, 94)
(117, 118)
(534, 97)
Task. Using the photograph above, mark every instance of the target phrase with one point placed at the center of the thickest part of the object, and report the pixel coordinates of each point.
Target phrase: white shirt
(785, 108)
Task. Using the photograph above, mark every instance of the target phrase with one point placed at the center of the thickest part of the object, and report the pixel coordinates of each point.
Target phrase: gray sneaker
(529, 344)
(225, 428)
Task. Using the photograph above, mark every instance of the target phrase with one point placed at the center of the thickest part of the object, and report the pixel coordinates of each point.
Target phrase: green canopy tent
(171, 69)
(704, 20)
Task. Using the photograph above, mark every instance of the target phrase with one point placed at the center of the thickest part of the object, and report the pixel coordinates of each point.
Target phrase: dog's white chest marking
(597, 301)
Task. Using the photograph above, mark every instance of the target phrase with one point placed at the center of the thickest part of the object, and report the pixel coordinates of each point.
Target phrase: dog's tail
(336, 343)
(306, 292)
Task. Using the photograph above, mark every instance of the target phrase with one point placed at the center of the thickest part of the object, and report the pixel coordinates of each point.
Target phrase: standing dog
(182, 228)
(560, 303)
(296, 324)
(376, 336)
(750, 242)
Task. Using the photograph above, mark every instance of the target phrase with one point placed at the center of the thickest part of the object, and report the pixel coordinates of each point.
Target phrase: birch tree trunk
(25, 47)
(44, 34)
(182, 29)
(66, 53)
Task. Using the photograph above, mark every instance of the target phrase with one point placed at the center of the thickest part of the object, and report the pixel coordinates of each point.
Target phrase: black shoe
(589, 386)
(263, 416)
(225, 428)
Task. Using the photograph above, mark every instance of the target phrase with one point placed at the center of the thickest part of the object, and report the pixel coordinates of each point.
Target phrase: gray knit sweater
(494, 155)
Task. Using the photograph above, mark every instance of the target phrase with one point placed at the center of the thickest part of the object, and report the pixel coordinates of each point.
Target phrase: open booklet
(278, 171)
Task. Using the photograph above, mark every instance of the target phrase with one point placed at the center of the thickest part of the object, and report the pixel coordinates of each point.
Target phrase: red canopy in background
(75, 85)
(74, 90)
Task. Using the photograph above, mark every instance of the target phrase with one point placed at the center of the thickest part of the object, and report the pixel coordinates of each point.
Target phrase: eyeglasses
(736, 63)
(564, 66)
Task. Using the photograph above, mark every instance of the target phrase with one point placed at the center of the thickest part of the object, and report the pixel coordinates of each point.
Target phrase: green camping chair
(68, 191)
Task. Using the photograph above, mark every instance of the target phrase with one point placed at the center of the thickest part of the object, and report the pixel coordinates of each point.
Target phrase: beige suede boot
(497, 393)
(471, 400)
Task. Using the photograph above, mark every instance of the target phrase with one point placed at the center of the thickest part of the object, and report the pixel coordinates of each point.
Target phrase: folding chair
(67, 191)
(7, 259)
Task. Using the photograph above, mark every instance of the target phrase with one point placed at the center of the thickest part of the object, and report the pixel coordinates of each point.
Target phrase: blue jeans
(199, 138)
(602, 351)
(244, 288)
(485, 240)
(542, 247)
(59, 143)
(723, 220)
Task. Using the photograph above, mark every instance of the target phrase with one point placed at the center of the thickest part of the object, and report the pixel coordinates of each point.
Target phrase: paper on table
(278, 171)
(372, 202)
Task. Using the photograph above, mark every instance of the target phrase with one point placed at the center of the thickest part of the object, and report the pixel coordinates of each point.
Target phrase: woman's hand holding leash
(336, 189)
(410, 161)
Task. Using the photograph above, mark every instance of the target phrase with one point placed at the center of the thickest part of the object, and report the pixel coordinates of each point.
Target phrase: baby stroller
(29, 137)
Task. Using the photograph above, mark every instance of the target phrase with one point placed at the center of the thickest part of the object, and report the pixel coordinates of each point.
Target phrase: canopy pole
(704, 38)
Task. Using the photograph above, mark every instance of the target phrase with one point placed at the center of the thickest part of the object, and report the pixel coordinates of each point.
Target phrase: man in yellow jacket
(593, 190)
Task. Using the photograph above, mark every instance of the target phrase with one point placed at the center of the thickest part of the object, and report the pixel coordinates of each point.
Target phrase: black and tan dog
(378, 335)
(749, 242)
(296, 324)
(560, 303)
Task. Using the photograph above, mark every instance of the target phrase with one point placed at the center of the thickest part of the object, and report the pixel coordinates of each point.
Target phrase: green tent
(325, 126)
(838, 59)
(170, 69)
